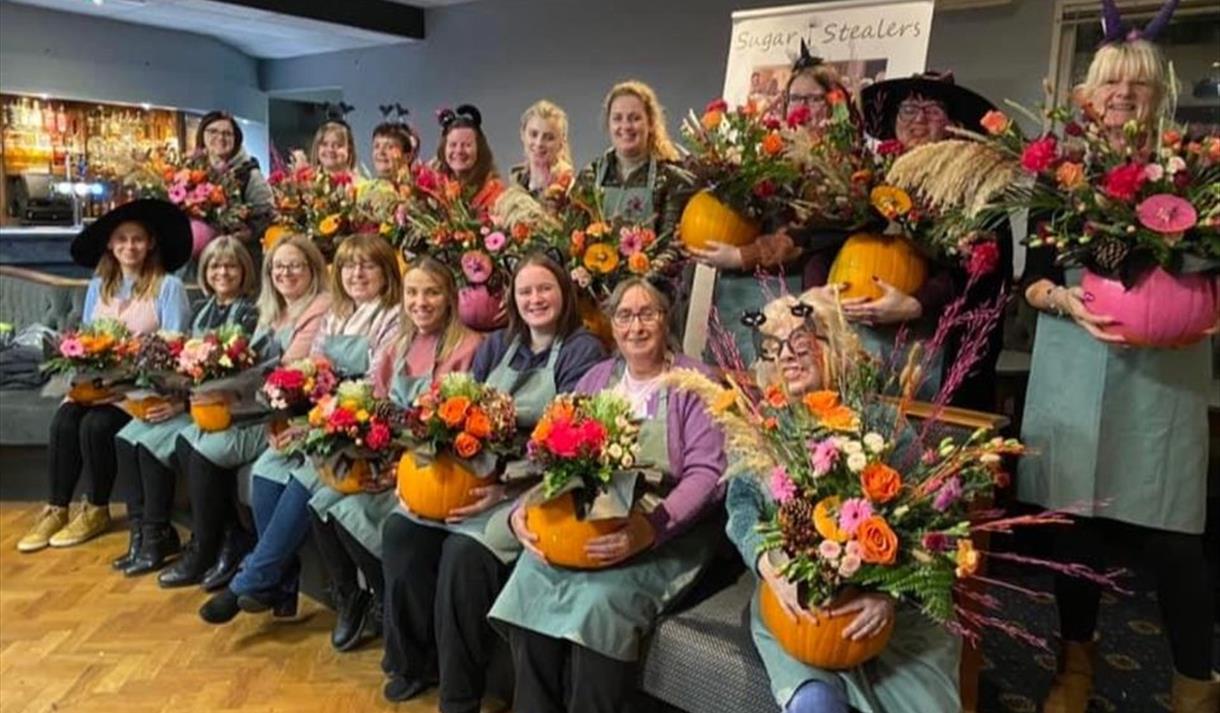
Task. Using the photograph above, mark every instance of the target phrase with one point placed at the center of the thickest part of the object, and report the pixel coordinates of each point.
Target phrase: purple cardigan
(696, 452)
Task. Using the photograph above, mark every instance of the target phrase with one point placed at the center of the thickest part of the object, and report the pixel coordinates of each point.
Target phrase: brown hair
(227, 246)
(569, 317)
(272, 306)
(484, 163)
(372, 247)
(148, 284)
(659, 144)
(400, 132)
(211, 118)
(454, 330)
(327, 127)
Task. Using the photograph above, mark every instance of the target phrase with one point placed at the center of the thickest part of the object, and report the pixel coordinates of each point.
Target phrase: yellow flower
(597, 229)
(349, 404)
(330, 225)
(826, 519)
(967, 558)
(601, 257)
(890, 201)
(386, 229)
(362, 416)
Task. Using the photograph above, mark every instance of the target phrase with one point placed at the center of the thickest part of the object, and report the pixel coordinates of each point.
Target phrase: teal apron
(633, 205)
(239, 445)
(1116, 432)
(532, 390)
(160, 438)
(609, 610)
(362, 514)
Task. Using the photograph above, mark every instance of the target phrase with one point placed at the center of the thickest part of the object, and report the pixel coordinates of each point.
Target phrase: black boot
(160, 543)
(237, 544)
(372, 626)
(133, 546)
(187, 569)
(352, 610)
(221, 608)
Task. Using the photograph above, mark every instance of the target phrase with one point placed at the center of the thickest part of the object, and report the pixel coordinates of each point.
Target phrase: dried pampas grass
(516, 205)
(956, 174)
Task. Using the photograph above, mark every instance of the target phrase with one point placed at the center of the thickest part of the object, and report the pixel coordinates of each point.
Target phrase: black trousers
(343, 556)
(150, 499)
(1184, 581)
(213, 494)
(558, 676)
(439, 588)
(82, 441)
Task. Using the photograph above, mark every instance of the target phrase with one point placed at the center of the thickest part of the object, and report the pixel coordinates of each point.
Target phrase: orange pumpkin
(594, 319)
(562, 537)
(434, 490)
(86, 393)
(706, 219)
(211, 416)
(139, 408)
(351, 482)
(821, 643)
(892, 258)
(273, 235)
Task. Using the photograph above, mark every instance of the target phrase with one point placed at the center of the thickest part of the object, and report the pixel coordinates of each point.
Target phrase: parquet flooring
(76, 636)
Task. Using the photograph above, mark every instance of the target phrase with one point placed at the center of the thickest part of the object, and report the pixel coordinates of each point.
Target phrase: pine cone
(796, 522)
(1109, 254)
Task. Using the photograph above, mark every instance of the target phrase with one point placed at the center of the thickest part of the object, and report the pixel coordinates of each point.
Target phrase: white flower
(990, 458)
(851, 447)
(581, 277)
(628, 461)
(874, 442)
(1175, 164)
(856, 462)
(616, 451)
(225, 361)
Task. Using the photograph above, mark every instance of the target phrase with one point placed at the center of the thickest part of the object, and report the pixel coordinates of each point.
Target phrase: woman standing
(334, 147)
(548, 158)
(219, 140)
(433, 342)
(1120, 434)
(917, 670)
(576, 635)
(395, 147)
(465, 156)
(361, 325)
(441, 578)
(130, 249)
(145, 447)
(291, 307)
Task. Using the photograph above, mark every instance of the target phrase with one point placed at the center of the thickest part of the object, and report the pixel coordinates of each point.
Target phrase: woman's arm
(702, 464)
(261, 201)
(578, 354)
(173, 306)
(92, 295)
(747, 506)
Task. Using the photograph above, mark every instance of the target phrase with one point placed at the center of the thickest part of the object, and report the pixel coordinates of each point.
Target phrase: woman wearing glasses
(576, 635)
(293, 301)
(219, 141)
(360, 327)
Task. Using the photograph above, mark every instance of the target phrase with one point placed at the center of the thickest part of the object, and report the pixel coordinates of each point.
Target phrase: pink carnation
(830, 550)
(72, 348)
(825, 455)
(852, 513)
(495, 241)
(782, 487)
(850, 565)
(1123, 182)
(1040, 154)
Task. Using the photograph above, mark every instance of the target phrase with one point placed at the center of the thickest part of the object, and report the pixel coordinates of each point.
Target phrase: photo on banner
(867, 41)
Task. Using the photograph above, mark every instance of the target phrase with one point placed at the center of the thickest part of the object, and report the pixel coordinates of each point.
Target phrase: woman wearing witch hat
(132, 249)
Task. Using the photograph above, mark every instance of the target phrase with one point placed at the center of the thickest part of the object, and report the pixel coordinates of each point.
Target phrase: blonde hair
(148, 284)
(326, 128)
(370, 247)
(272, 307)
(1136, 59)
(549, 111)
(780, 323)
(454, 330)
(227, 246)
(659, 144)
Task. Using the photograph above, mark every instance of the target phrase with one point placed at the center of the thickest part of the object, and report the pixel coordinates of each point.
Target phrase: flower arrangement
(350, 416)
(215, 355)
(586, 439)
(740, 155)
(205, 195)
(382, 206)
(462, 416)
(316, 203)
(156, 355)
(295, 386)
(104, 345)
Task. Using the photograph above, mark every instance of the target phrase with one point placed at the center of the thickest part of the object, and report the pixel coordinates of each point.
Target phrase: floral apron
(633, 205)
(1116, 432)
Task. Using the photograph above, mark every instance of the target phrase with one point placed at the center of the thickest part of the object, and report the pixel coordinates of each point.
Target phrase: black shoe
(221, 608)
(236, 546)
(373, 624)
(186, 570)
(133, 545)
(286, 608)
(352, 611)
(402, 688)
(258, 602)
(160, 543)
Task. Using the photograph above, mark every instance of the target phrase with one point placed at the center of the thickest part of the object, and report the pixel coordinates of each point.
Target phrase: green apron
(532, 390)
(631, 204)
(1116, 432)
(361, 514)
(239, 445)
(609, 610)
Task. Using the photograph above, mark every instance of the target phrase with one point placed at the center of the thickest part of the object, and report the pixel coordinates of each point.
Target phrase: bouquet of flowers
(215, 355)
(103, 346)
(294, 387)
(204, 195)
(462, 416)
(156, 355)
(740, 156)
(382, 207)
(316, 203)
(350, 436)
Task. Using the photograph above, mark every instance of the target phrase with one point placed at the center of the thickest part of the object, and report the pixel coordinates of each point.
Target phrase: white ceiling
(258, 33)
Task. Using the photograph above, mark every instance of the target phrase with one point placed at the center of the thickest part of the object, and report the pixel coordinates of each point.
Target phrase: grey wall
(504, 54)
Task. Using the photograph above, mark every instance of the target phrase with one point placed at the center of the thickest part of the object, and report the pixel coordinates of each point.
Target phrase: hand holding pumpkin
(718, 255)
(487, 496)
(279, 439)
(891, 307)
(785, 591)
(1071, 301)
(527, 538)
(164, 410)
(635, 536)
(875, 611)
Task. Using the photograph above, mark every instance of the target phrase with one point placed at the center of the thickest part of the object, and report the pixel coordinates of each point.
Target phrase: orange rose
(770, 423)
(576, 245)
(773, 144)
(880, 482)
(521, 232)
(198, 176)
(775, 397)
(454, 410)
(878, 543)
(542, 429)
(466, 445)
(995, 122)
(477, 423)
(821, 401)
(711, 120)
(638, 263)
(1070, 175)
(836, 96)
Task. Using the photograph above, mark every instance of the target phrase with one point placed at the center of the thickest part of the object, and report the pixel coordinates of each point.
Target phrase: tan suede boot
(1074, 683)
(1190, 695)
(89, 522)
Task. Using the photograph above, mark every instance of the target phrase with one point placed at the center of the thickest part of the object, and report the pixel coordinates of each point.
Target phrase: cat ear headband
(1115, 31)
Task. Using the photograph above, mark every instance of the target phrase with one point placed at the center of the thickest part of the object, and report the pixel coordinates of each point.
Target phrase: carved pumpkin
(433, 490)
(819, 644)
(86, 393)
(139, 408)
(211, 416)
(562, 537)
(1160, 310)
(706, 219)
(891, 258)
(594, 319)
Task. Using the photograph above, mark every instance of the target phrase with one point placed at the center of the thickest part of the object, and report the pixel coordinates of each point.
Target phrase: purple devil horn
(1111, 22)
(1159, 22)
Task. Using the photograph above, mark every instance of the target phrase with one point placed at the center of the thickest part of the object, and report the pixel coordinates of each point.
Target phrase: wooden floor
(76, 636)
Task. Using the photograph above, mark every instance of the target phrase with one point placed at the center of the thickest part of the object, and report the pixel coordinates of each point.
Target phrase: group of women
(440, 594)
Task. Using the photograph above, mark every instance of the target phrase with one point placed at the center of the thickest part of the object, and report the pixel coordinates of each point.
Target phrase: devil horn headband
(1112, 23)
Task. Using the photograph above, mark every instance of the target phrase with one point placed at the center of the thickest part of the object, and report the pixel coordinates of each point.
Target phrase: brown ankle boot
(1190, 695)
(1074, 683)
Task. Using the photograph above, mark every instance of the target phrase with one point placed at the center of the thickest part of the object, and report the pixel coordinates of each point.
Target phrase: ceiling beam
(374, 15)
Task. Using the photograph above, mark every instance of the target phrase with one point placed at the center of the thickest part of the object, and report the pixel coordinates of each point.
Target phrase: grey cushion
(25, 417)
(57, 303)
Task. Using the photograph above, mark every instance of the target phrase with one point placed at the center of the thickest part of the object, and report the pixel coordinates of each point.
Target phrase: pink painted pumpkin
(201, 235)
(1160, 310)
(482, 309)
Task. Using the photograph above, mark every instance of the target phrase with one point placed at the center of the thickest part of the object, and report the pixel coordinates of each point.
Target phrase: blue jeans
(817, 697)
(281, 516)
